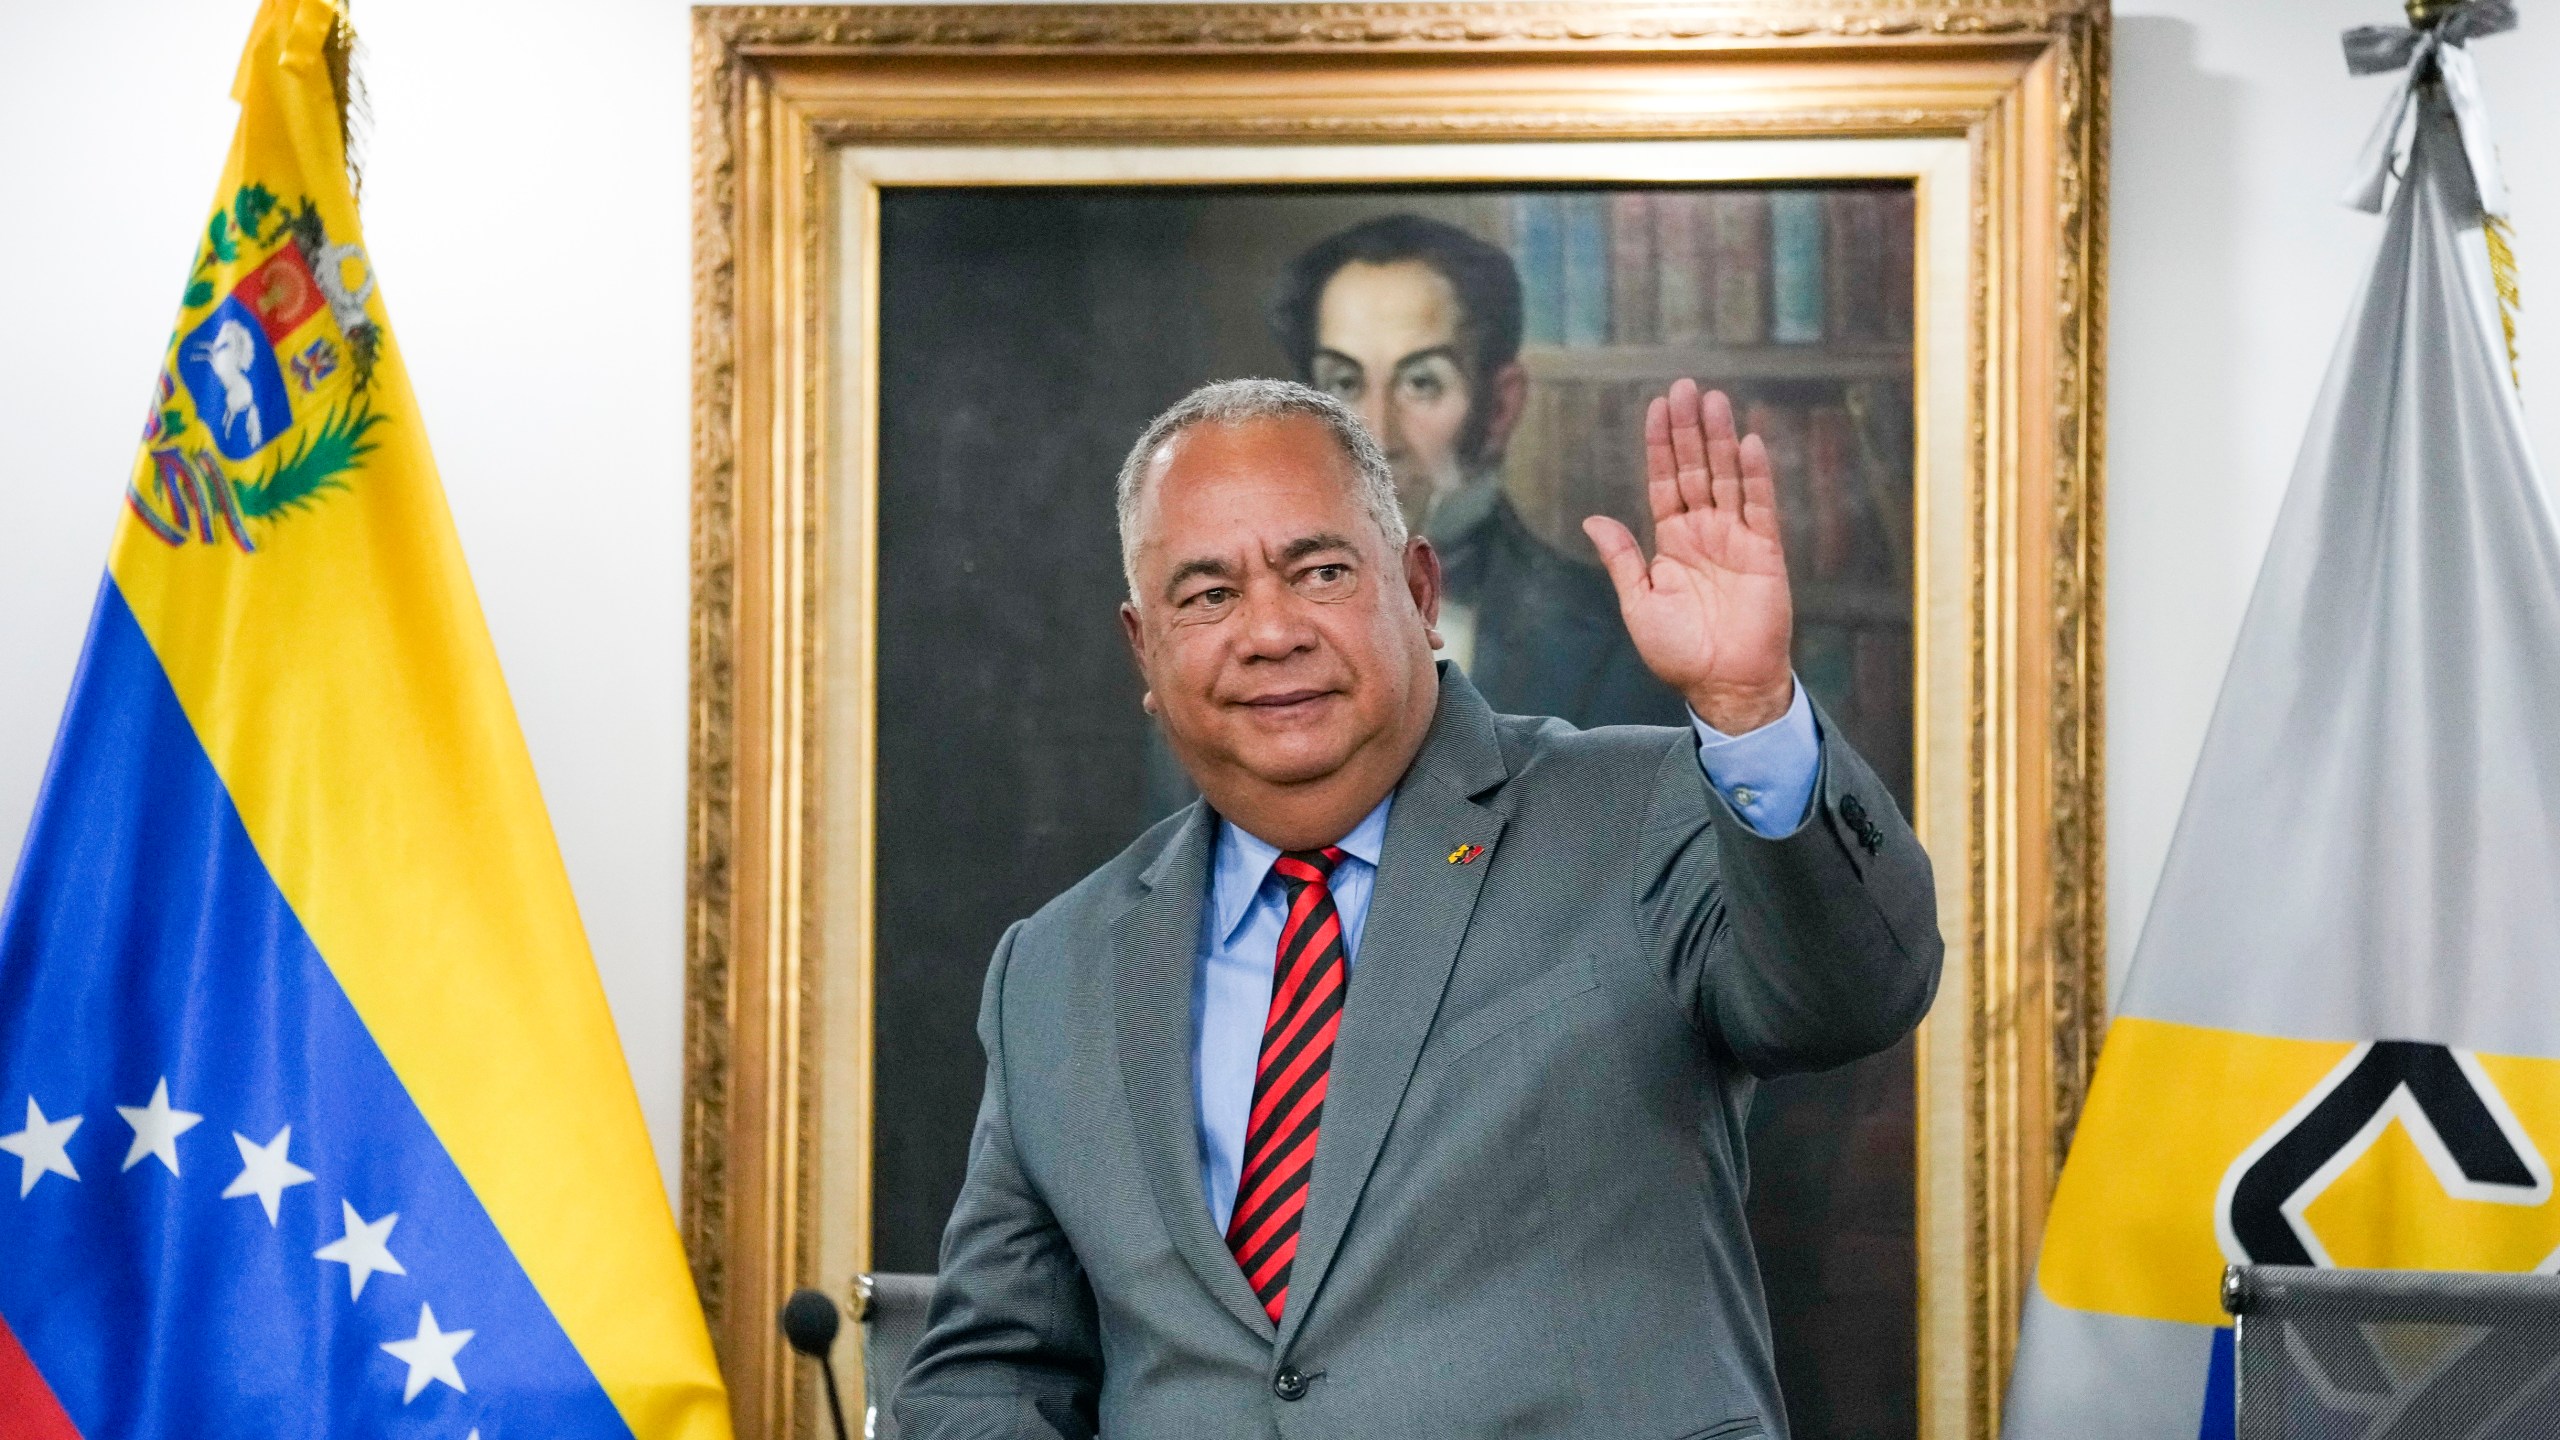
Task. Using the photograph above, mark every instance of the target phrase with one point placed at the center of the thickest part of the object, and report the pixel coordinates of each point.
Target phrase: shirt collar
(1244, 862)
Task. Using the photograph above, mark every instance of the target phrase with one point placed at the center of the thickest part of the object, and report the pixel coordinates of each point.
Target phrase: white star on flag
(156, 1128)
(265, 1171)
(39, 1148)
(430, 1355)
(365, 1250)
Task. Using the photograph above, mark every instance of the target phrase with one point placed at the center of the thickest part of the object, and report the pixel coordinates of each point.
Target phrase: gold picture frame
(1995, 113)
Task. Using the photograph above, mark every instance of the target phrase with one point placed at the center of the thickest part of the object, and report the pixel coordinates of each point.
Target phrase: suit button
(1289, 1384)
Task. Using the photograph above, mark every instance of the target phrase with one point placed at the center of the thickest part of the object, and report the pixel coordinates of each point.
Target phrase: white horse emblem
(229, 354)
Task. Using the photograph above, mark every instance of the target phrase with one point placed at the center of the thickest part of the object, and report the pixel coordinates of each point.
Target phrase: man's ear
(1422, 579)
(1509, 392)
(1130, 631)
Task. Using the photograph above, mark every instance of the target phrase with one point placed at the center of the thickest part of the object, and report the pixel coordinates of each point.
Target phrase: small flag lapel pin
(1465, 854)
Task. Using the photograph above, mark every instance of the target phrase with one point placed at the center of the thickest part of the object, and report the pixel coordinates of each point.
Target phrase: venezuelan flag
(318, 1120)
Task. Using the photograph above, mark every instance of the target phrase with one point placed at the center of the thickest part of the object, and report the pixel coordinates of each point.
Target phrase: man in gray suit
(1397, 1088)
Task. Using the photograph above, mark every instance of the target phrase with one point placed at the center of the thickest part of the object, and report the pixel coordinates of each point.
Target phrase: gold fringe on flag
(2502, 277)
(344, 56)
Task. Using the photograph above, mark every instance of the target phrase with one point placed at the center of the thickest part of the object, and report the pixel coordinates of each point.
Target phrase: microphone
(809, 1322)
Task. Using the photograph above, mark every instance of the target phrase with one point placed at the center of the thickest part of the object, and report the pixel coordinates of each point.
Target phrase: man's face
(1387, 344)
(1283, 641)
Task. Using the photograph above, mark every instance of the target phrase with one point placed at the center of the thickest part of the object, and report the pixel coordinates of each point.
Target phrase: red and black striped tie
(1288, 1088)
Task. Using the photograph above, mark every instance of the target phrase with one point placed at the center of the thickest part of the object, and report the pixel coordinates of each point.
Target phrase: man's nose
(1379, 416)
(1275, 622)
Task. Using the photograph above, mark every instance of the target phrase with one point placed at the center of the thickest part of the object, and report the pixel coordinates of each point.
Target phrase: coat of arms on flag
(263, 405)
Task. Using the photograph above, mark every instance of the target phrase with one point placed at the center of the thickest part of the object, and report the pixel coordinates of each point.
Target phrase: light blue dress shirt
(1767, 776)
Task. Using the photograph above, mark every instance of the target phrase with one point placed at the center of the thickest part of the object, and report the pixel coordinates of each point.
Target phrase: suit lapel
(1154, 945)
(1418, 914)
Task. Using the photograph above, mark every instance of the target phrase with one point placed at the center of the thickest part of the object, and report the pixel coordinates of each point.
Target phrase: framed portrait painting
(950, 260)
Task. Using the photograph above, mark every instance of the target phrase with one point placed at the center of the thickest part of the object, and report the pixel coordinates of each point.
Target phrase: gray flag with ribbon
(2338, 1042)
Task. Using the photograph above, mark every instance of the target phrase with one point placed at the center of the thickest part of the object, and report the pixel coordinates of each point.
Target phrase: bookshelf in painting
(1797, 302)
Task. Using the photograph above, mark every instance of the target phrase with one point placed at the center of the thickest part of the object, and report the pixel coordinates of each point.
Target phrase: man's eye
(1325, 579)
(1337, 377)
(1209, 599)
(1424, 386)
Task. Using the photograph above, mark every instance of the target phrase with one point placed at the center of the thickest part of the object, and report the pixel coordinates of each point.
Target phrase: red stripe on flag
(28, 1410)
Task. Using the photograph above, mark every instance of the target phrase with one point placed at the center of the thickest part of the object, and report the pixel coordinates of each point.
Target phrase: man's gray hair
(1238, 402)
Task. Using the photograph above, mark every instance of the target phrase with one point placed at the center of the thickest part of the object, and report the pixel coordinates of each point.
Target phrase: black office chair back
(892, 1308)
(2394, 1354)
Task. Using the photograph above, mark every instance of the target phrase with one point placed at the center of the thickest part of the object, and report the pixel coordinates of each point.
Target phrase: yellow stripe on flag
(2131, 1232)
(2175, 1107)
(342, 681)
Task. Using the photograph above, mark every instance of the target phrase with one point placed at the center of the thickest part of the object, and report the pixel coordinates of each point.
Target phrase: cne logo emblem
(2377, 1163)
(262, 406)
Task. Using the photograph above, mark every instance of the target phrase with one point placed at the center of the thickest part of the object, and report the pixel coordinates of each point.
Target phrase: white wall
(526, 202)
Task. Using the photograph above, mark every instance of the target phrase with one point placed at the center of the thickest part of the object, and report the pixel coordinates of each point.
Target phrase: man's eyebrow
(1327, 352)
(1436, 352)
(1193, 569)
(1306, 545)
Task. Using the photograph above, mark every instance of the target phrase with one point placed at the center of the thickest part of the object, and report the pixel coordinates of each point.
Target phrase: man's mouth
(1282, 701)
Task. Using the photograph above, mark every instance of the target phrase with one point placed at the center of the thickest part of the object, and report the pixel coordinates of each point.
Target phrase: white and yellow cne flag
(2339, 1039)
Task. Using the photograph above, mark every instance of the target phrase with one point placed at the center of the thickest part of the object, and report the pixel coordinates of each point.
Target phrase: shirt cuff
(1768, 775)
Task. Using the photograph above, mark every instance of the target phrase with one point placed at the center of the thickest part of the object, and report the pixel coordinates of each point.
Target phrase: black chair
(891, 1309)
(2394, 1354)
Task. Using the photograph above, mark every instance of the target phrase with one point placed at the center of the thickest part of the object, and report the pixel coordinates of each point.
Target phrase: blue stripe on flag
(145, 940)
(2219, 1420)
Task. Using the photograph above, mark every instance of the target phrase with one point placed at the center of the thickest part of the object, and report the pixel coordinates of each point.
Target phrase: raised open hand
(1711, 613)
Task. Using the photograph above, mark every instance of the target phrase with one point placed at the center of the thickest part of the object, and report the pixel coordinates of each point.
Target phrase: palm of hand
(1710, 613)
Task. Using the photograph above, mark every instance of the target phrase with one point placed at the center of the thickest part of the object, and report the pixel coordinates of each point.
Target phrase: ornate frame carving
(2014, 623)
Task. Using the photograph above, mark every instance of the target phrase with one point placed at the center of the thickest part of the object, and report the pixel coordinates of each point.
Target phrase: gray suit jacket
(1526, 1213)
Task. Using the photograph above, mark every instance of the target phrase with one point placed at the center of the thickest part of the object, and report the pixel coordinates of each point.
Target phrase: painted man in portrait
(1416, 325)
